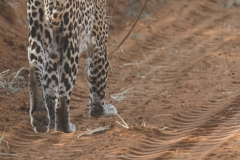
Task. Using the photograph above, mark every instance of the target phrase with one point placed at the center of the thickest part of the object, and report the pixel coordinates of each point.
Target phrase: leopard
(58, 32)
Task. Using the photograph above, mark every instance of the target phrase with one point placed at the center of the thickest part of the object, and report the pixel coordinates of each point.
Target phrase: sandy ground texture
(175, 82)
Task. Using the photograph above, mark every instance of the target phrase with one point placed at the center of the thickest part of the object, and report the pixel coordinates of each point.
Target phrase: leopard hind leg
(67, 73)
(39, 113)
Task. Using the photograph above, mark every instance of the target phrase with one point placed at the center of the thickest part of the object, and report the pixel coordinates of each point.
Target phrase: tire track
(198, 130)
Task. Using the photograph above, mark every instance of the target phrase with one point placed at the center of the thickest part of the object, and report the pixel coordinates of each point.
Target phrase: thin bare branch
(134, 24)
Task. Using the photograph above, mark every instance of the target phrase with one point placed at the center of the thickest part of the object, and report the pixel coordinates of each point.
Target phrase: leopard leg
(68, 70)
(97, 76)
(62, 120)
(38, 108)
(98, 66)
(39, 114)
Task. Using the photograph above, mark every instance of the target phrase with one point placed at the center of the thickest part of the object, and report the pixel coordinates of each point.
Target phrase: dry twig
(22, 68)
(120, 96)
(100, 129)
(134, 24)
(8, 154)
(223, 48)
(1, 138)
(124, 123)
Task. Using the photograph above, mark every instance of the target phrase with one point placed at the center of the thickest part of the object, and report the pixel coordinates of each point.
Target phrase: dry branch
(100, 129)
(134, 24)
(8, 154)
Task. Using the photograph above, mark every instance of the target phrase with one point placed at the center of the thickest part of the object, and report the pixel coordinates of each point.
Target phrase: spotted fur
(59, 31)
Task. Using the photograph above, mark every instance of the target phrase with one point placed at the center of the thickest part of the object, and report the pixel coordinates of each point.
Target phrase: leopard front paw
(71, 128)
(40, 120)
(109, 109)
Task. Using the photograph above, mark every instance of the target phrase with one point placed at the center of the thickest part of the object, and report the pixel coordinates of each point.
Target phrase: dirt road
(176, 80)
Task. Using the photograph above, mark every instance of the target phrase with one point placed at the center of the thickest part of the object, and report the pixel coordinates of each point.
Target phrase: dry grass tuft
(11, 82)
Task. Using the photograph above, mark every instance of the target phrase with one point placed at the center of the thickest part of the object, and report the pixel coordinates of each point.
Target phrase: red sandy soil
(179, 71)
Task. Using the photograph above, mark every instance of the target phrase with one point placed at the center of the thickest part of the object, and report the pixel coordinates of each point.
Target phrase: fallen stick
(100, 129)
(8, 154)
